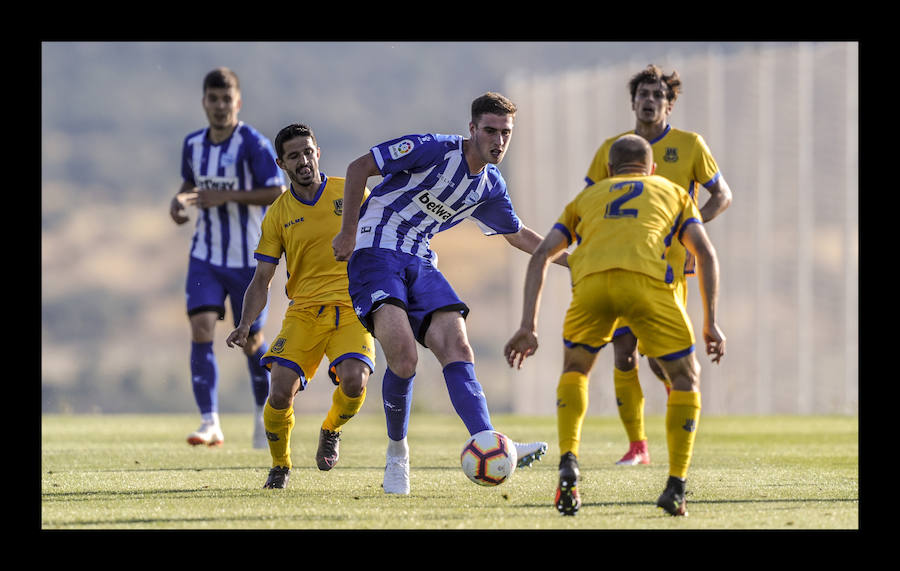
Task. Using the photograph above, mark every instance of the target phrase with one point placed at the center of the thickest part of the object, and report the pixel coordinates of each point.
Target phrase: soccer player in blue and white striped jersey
(431, 183)
(229, 173)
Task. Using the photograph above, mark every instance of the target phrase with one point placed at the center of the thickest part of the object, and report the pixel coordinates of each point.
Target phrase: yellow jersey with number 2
(682, 157)
(627, 222)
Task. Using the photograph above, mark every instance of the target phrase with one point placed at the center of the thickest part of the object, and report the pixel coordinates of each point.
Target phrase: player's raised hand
(522, 344)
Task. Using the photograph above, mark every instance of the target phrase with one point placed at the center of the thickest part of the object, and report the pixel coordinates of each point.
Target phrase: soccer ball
(488, 458)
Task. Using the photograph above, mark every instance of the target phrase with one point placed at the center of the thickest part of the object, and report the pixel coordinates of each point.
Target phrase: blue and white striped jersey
(227, 235)
(427, 188)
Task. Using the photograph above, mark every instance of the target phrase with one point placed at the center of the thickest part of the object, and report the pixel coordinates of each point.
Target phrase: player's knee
(283, 386)
(280, 397)
(353, 377)
(203, 327)
(461, 351)
(403, 363)
(353, 385)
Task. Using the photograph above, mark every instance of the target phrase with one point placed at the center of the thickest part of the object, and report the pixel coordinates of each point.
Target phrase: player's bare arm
(255, 299)
(698, 243)
(358, 173)
(524, 341)
(528, 240)
(719, 199)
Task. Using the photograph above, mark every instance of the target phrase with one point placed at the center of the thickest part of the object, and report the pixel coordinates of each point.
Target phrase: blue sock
(259, 376)
(204, 376)
(467, 396)
(396, 395)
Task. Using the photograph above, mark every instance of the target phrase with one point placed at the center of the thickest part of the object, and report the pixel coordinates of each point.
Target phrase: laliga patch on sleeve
(401, 149)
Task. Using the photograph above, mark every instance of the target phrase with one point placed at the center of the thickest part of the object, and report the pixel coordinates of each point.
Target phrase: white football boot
(209, 433)
(396, 468)
(528, 453)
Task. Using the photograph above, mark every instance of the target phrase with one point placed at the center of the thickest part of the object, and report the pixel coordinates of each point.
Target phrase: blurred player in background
(684, 158)
(624, 226)
(229, 174)
(431, 183)
(320, 320)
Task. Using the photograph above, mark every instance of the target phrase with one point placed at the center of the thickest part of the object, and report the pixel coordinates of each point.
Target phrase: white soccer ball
(488, 458)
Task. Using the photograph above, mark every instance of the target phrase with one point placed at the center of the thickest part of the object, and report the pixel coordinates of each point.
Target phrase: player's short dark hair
(292, 131)
(493, 103)
(221, 77)
(652, 74)
(629, 150)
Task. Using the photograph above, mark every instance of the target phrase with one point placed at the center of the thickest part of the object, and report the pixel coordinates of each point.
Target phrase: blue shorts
(378, 276)
(207, 286)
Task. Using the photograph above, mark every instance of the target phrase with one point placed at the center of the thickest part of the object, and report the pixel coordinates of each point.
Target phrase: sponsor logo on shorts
(379, 295)
(278, 345)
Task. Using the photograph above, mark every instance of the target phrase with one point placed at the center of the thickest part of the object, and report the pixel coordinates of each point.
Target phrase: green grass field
(103, 472)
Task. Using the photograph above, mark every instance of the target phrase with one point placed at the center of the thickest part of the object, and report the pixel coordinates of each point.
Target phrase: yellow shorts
(681, 291)
(651, 308)
(310, 333)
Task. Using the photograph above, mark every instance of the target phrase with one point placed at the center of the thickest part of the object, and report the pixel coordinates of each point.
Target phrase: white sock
(210, 417)
(398, 448)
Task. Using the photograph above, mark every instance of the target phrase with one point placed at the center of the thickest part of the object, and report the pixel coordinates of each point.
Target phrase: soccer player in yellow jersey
(625, 226)
(684, 158)
(320, 320)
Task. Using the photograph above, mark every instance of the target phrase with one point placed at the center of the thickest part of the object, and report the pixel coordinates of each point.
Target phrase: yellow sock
(682, 417)
(630, 401)
(343, 408)
(571, 408)
(279, 423)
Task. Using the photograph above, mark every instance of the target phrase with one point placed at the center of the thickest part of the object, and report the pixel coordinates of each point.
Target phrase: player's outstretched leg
(567, 500)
